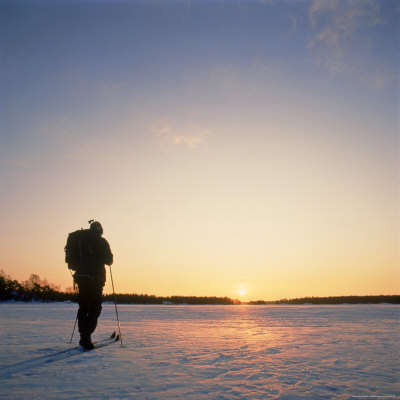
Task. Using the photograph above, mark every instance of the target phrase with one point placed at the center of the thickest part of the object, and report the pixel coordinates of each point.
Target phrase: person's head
(96, 227)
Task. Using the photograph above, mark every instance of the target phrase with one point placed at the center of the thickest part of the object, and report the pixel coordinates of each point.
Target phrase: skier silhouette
(91, 280)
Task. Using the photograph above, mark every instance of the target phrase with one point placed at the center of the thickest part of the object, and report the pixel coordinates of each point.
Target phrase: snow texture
(203, 352)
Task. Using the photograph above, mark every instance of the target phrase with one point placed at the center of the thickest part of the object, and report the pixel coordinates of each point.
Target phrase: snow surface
(204, 352)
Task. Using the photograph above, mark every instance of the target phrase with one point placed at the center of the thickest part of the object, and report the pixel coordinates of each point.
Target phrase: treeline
(33, 289)
(343, 300)
(36, 289)
(151, 299)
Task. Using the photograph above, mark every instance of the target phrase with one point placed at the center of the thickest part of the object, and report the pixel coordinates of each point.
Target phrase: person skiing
(90, 277)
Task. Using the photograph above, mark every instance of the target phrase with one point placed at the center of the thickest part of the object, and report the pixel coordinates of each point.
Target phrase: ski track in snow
(204, 352)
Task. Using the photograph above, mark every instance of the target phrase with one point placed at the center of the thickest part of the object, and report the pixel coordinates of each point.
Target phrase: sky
(247, 149)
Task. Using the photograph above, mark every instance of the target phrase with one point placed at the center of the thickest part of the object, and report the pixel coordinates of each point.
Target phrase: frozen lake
(204, 352)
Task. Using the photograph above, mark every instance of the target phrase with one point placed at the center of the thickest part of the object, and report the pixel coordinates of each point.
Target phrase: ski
(97, 343)
(57, 356)
(101, 343)
(112, 338)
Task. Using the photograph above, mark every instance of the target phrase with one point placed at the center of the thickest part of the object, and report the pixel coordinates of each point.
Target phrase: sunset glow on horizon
(242, 149)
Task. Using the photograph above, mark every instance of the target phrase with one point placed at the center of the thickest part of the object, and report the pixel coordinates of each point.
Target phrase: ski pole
(73, 331)
(116, 309)
(76, 319)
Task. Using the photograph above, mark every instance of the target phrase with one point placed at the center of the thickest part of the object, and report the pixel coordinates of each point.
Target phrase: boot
(86, 343)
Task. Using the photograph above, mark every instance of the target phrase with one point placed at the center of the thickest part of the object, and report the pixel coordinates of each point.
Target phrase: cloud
(161, 129)
(347, 39)
(294, 24)
(193, 137)
(190, 137)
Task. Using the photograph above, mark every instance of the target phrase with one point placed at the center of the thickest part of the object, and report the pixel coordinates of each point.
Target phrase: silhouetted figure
(94, 252)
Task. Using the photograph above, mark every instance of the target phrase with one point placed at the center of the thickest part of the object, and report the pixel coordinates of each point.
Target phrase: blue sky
(237, 138)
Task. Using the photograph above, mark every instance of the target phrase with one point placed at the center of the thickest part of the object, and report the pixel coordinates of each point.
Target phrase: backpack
(80, 251)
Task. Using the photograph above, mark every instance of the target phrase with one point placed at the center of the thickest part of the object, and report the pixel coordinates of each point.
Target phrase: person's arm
(108, 255)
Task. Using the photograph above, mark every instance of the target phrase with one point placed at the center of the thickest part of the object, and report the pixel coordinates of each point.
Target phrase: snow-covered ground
(204, 352)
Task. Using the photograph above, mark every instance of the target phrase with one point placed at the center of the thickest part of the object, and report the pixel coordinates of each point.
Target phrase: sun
(242, 291)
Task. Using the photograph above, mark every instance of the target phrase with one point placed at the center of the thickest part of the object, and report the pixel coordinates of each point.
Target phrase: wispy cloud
(347, 39)
(169, 135)
(193, 137)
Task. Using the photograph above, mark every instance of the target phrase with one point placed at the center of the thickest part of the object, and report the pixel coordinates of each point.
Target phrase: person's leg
(95, 307)
(84, 300)
(90, 299)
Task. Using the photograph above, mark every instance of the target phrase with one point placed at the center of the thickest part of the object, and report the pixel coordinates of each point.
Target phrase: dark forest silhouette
(395, 299)
(35, 289)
